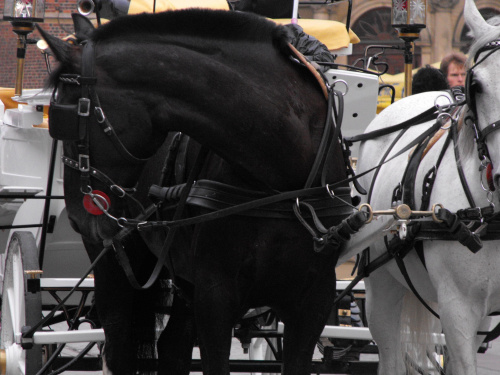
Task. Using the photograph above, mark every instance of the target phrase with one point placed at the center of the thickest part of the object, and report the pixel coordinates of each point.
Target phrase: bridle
(480, 135)
(77, 121)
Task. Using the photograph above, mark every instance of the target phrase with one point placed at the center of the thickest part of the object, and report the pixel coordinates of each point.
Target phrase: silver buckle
(83, 161)
(84, 107)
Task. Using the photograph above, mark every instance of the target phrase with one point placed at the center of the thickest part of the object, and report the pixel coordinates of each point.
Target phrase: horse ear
(61, 49)
(83, 27)
(474, 19)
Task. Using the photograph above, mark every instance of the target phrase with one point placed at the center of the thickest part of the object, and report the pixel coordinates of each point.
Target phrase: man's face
(456, 74)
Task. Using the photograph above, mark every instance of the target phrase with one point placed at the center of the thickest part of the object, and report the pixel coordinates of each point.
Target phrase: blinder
(64, 121)
(68, 122)
(470, 91)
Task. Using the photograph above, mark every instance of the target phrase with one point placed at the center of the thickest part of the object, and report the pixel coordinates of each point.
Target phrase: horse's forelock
(190, 22)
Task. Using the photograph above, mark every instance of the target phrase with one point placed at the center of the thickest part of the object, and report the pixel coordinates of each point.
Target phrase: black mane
(217, 24)
(213, 24)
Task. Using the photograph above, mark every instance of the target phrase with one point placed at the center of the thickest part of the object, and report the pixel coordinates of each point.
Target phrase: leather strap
(311, 68)
(215, 196)
(164, 257)
(425, 116)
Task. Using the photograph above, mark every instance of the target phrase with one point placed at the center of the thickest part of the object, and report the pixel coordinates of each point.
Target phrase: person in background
(428, 78)
(453, 68)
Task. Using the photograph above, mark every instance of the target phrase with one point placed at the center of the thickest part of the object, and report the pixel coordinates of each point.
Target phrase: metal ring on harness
(98, 200)
(369, 212)
(434, 207)
(443, 115)
(444, 107)
(443, 110)
(346, 86)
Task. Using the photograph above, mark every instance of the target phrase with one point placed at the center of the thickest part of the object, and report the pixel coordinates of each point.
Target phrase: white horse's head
(484, 81)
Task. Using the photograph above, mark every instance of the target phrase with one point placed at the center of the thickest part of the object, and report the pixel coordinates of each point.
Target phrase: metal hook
(330, 191)
(297, 204)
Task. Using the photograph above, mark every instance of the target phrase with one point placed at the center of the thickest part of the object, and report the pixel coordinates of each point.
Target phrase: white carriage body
(25, 150)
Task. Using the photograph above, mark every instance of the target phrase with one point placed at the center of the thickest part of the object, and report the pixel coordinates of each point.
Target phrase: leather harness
(222, 200)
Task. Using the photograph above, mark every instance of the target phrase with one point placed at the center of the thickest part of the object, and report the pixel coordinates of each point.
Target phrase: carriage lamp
(408, 18)
(22, 14)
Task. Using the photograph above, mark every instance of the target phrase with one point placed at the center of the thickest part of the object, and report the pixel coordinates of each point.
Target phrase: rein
(80, 115)
(397, 248)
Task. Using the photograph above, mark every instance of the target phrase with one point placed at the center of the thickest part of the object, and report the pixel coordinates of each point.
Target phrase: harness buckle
(83, 163)
(84, 107)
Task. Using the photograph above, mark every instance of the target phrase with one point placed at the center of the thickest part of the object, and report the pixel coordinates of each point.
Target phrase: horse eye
(476, 86)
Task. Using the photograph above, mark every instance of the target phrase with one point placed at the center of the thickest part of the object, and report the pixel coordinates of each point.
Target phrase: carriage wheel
(20, 307)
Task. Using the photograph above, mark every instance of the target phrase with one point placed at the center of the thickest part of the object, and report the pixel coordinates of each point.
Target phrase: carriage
(28, 346)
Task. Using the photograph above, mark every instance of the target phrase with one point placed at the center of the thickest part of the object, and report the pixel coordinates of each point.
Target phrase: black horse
(228, 81)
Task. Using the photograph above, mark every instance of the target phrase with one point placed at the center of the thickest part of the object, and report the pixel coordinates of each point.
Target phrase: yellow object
(6, 94)
(141, 6)
(333, 34)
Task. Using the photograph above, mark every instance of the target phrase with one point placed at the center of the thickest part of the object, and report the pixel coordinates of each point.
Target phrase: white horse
(462, 286)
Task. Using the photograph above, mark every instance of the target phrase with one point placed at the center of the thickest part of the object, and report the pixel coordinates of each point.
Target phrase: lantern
(26, 11)
(408, 18)
(22, 14)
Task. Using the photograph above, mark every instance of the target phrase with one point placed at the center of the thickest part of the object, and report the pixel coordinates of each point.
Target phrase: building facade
(370, 19)
(57, 21)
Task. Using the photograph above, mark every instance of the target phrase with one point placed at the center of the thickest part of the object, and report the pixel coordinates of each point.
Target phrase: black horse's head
(96, 197)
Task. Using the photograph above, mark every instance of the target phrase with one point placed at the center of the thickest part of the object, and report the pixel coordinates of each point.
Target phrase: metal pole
(22, 29)
(46, 209)
(408, 67)
(295, 13)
